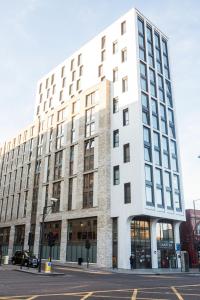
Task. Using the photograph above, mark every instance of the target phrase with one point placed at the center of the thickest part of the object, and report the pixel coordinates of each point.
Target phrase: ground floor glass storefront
(141, 243)
(79, 231)
(165, 245)
(4, 240)
(55, 229)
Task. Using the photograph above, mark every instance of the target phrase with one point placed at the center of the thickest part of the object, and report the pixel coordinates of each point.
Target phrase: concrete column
(37, 238)
(176, 226)
(124, 243)
(63, 241)
(104, 241)
(11, 241)
(154, 251)
(27, 230)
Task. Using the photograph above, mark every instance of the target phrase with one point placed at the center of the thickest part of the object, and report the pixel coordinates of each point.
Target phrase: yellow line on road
(178, 295)
(134, 294)
(87, 296)
(33, 297)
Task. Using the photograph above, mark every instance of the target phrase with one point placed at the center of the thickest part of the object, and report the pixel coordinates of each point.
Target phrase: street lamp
(44, 214)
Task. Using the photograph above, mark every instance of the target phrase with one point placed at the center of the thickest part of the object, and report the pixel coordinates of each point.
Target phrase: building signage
(165, 245)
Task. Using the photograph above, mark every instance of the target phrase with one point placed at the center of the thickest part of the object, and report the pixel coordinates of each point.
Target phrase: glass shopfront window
(141, 243)
(80, 230)
(165, 245)
(55, 229)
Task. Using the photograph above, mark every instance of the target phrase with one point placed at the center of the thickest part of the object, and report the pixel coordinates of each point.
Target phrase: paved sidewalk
(94, 269)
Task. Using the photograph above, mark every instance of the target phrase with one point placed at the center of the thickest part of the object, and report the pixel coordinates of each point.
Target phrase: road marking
(33, 297)
(178, 295)
(87, 296)
(134, 294)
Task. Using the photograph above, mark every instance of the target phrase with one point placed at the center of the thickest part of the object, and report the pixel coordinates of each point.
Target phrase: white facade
(114, 56)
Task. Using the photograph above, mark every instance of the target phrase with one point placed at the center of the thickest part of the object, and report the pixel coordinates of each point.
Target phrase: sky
(37, 35)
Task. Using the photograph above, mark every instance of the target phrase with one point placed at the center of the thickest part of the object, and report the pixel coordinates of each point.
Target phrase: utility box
(184, 261)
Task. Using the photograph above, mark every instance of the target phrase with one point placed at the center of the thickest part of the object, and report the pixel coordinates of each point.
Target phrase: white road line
(178, 295)
(134, 294)
(87, 296)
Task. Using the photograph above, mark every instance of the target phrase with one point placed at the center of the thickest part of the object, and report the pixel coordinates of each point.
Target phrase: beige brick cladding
(21, 160)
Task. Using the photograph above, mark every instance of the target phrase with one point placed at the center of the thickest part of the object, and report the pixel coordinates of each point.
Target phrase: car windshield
(30, 254)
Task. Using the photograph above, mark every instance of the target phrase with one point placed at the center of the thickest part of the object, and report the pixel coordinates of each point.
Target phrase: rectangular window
(116, 179)
(126, 151)
(124, 84)
(154, 109)
(25, 203)
(100, 70)
(125, 117)
(103, 42)
(141, 40)
(123, 27)
(70, 191)
(165, 59)
(71, 161)
(171, 124)
(143, 77)
(177, 195)
(127, 192)
(79, 59)
(124, 55)
(163, 119)
(145, 109)
(103, 55)
(158, 52)
(90, 99)
(115, 105)
(58, 165)
(115, 74)
(174, 160)
(168, 93)
(116, 138)
(115, 47)
(72, 65)
(165, 147)
(56, 195)
(89, 122)
(161, 88)
(159, 187)
(150, 47)
(168, 191)
(63, 71)
(60, 136)
(73, 75)
(149, 185)
(152, 79)
(73, 130)
(147, 144)
(157, 149)
(89, 155)
(88, 184)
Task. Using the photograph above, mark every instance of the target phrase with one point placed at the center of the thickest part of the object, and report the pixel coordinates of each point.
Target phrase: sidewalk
(94, 269)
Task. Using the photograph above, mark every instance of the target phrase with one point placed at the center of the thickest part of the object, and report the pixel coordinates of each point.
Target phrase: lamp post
(44, 214)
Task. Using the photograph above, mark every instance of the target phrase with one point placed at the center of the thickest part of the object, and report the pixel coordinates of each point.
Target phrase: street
(83, 284)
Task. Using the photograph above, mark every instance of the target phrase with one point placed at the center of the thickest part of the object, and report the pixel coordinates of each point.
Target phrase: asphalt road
(79, 284)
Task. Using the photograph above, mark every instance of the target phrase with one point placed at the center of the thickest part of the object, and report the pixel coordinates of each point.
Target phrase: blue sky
(36, 35)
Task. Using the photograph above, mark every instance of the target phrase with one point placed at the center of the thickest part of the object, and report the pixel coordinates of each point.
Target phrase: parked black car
(29, 259)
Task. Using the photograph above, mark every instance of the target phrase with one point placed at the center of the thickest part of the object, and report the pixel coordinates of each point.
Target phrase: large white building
(104, 143)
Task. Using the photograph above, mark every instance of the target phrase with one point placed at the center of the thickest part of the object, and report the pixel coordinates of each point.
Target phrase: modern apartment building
(104, 143)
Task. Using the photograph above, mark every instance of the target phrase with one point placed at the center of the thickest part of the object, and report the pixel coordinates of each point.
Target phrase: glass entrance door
(140, 243)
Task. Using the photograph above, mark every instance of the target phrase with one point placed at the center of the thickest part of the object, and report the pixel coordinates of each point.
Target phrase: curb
(41, 273)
